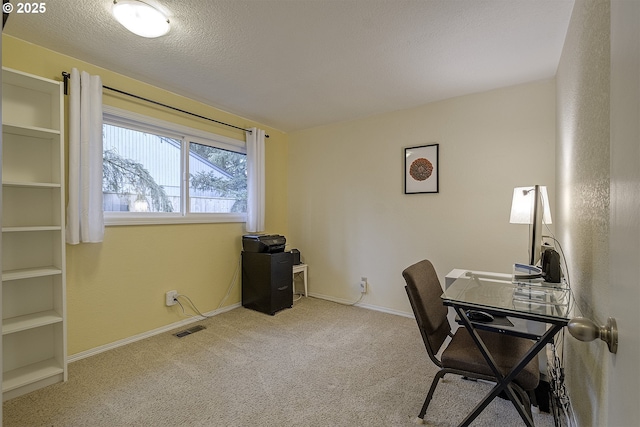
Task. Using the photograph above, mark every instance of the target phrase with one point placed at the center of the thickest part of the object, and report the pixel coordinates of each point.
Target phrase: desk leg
(500, 385)
(503, 383)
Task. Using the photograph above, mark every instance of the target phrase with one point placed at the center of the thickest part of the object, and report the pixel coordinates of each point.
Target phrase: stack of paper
(526, 272)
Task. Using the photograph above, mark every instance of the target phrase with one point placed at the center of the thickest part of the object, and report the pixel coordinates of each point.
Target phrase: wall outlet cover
(170, 298)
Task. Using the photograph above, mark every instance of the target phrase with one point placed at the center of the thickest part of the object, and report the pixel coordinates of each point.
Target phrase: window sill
(151, 219)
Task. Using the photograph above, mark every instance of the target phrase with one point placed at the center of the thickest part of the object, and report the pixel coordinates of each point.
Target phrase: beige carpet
(317, 364)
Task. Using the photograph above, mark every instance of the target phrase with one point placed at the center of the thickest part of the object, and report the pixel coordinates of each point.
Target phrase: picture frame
(422, 169)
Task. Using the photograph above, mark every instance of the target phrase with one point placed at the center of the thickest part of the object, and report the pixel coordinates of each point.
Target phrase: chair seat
(463, 354)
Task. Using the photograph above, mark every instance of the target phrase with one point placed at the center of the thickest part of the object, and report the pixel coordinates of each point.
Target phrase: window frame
(139, 122)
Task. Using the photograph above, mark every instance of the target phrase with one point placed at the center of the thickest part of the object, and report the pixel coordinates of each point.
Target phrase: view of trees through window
(130, 185)
(220, 186)
(141, 173)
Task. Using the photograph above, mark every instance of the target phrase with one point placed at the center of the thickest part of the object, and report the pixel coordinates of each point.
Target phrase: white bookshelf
(33, 246)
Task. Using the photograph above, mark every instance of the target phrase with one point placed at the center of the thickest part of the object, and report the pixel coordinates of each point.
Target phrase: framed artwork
(421, 169)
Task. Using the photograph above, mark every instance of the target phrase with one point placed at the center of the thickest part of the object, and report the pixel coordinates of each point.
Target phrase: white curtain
(85, 218)
(255, 180)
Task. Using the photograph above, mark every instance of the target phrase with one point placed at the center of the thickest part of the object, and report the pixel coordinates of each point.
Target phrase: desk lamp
(530, 205)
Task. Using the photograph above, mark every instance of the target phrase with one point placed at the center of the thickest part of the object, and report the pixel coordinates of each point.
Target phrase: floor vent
(189, 331)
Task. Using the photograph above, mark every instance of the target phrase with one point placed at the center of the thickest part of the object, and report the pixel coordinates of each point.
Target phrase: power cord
(359, 299)
(573, 302)
(177, 299)
(564, 259)
(562, 410)
(560, 403)
(234, 280)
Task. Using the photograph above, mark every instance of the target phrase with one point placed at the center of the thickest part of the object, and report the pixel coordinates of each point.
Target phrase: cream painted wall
(583, 195)
(348, 214)
(115, 289)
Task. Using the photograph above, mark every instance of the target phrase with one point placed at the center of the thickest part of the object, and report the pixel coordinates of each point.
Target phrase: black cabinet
(267, 281)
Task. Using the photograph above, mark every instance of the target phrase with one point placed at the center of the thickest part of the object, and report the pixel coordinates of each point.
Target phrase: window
(217, 180)
(140, 171)
(144, 181)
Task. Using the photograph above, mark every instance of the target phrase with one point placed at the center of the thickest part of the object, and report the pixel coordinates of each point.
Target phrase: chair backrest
(424, 291)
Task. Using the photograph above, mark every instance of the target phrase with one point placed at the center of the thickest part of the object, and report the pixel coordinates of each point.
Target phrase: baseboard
(363, 305)
(385, 310)
(97, 350)
(134, 338)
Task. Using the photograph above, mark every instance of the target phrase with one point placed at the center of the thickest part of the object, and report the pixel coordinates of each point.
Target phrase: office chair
(461, 355)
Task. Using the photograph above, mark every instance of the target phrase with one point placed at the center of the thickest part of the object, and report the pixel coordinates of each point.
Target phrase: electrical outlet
(170, 298)
(364, 286)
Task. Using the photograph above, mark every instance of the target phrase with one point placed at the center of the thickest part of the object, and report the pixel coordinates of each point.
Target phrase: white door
(1, 211)
(624, 381)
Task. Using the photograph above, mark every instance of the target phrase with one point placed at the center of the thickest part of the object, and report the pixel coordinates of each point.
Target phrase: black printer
(265, 243)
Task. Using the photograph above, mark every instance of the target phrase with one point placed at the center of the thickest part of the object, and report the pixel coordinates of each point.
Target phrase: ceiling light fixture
(140, 18)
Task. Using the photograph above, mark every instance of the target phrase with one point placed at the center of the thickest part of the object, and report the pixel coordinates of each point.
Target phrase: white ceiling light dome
(140, 18)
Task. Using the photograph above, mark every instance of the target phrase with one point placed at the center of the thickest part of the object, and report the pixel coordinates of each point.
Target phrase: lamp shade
(140, 18)
(523, 202)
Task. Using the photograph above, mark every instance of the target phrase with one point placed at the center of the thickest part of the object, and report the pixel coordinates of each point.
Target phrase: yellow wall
(115, 289)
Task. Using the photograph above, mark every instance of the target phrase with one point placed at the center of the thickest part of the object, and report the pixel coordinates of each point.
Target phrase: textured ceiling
(295, 64)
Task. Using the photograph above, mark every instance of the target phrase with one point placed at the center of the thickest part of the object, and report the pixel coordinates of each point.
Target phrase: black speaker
(296, 256)
(551, 266)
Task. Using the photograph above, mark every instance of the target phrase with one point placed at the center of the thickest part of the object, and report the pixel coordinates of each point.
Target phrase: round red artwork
(421, 169)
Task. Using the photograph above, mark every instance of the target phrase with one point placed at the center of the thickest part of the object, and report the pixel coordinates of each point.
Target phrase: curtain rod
(66, 76)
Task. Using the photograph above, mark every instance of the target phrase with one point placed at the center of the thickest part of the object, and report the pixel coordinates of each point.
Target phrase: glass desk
(548, 305)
